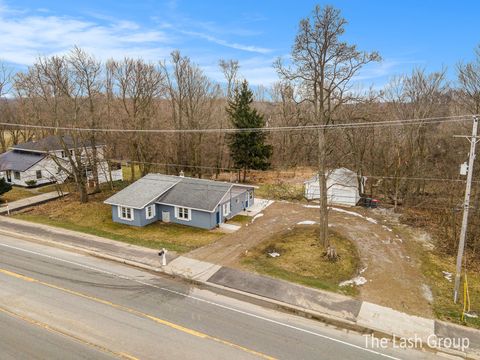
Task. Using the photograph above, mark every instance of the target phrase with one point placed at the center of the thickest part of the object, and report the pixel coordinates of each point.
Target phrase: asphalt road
(59, 304)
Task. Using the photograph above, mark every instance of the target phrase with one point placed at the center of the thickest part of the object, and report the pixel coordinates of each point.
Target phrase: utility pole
(466, 206)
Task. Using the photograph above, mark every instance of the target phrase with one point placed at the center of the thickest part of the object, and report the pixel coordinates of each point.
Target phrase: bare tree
(469, 81)
(323, 66)
(138, 86)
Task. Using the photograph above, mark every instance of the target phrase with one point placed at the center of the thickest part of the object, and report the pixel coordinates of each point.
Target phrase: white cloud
(25, 37)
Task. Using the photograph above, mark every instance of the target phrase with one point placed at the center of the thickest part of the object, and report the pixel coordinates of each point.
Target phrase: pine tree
(4, 186)
(247, 148)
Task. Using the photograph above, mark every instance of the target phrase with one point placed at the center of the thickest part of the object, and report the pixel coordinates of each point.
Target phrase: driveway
(393, 273)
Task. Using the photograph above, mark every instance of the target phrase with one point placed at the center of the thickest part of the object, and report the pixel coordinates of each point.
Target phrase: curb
(244, 296)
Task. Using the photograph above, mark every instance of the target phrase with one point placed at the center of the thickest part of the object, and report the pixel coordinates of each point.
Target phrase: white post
(8, 209)
(164, 257)
(466, 207)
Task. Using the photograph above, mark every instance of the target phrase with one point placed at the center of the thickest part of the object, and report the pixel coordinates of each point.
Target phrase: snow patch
(447, 275)
(387, 228)
(257, 216)
(369, 219)
(358, 281)
(307, 222)
(274, 254)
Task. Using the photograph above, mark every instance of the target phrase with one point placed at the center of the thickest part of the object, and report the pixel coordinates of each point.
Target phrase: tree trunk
(322, 179)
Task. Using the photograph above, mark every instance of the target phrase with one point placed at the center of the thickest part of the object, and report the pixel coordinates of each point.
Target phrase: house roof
(19, 160)
(143, 191)
(187, 192)
(52, 143)
(341, 176)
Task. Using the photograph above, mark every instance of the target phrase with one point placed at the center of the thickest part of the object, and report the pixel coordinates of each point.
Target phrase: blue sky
(428, 34)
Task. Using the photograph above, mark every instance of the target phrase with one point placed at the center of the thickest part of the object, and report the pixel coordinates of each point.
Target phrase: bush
(4, 186)
(31, 183)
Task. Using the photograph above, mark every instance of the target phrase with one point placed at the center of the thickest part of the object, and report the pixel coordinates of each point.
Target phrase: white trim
(152, 207)
(131, 210)
(226, 208)
(177, 213)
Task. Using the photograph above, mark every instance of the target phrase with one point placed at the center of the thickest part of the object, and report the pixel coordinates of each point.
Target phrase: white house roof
(18, 160)
(341, 176)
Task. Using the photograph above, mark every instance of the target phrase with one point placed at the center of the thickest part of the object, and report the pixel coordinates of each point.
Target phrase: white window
(125, 213)
(183, 213)
(64, 155)
(16, 175)
(150, 211)
(226, 208)
(250, 195)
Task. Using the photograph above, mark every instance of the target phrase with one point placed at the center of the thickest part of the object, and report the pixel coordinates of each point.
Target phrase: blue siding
(139, 217)
(201, 219)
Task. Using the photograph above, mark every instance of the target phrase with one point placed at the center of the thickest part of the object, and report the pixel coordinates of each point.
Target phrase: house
(181, 200)
(342, 187)
(45, 161)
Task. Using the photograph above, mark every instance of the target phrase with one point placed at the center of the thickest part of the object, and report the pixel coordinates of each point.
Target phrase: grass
(17, 193)
(280, 191)
(432, 266)
(301, 260)
(95, 218)
(240, 219)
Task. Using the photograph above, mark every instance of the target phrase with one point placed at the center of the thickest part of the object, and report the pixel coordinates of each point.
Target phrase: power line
(358, 125)
(388, 177)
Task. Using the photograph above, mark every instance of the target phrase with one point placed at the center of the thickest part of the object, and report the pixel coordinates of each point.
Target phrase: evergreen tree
(4, 186)
(247, 148)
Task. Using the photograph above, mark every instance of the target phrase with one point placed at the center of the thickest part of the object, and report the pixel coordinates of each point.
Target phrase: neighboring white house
(44, 161)
(342, 187)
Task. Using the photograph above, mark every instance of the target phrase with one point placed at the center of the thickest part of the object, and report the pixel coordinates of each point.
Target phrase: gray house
(181, 200)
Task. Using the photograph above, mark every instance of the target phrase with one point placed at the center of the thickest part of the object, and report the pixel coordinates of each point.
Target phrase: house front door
(218, 217)
(9, 176)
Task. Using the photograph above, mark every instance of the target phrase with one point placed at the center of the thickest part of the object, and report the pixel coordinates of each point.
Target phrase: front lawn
(95, 218)
(17, 193)
(301, 259)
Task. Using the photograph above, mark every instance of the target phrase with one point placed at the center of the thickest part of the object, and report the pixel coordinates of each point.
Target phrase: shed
(342, 187)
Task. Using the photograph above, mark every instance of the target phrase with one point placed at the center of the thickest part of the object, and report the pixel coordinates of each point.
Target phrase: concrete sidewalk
(30, 201)
(329, 307)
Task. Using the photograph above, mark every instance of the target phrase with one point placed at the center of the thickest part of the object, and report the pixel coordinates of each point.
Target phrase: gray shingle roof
(18, 160)
(196, 194)
(143, 191)
(173, 190)
(52, 143)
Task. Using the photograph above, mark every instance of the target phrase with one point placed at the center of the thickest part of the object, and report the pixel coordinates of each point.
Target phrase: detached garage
(342, 187)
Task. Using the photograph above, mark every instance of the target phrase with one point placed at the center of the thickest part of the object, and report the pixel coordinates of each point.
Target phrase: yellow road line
(57, 331)
(138, 313)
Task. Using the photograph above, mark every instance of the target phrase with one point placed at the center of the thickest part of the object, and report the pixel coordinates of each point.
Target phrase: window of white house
(150, 211)
(183, 213)
(125, 213)
(226, 208)
(16, 175)
(250, 195)
(72, 153)
(64, 155)
(39, 174)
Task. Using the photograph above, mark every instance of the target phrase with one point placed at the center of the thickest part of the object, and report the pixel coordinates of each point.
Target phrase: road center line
(206, 301)
(65, 334)
(137, 313)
